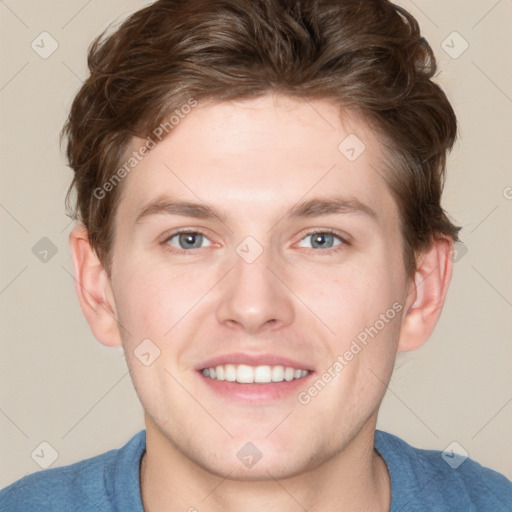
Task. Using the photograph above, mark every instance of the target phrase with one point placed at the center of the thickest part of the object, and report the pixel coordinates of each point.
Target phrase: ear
(94, 289)
(427, 294)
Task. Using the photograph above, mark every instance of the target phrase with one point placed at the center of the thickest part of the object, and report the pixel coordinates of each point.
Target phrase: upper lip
(252, 360)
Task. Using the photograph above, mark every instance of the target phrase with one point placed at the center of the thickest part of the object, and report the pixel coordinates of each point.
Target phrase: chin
(257, 461)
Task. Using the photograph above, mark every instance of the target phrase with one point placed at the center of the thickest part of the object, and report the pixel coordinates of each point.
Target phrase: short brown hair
(366, 56)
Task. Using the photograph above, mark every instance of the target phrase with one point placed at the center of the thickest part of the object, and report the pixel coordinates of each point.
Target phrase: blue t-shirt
(420, 481)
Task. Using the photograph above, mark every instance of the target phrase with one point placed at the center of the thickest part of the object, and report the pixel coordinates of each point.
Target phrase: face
(252, 243)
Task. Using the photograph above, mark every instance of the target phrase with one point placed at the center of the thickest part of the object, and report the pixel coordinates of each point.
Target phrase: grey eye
(187, 240)
(322, 240)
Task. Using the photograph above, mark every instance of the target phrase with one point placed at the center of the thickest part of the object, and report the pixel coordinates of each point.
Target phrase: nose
(254, 298)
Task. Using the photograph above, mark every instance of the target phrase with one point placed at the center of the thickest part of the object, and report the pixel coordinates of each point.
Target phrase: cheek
(153, 297)
(361, 306)
(153, 303)
(348, 296)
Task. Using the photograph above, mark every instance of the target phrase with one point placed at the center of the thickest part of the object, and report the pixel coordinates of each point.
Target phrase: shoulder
(444, 481)
(61, 488)
(90, 484)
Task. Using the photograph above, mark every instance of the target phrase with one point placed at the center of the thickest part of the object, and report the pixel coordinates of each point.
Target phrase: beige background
(60, 386)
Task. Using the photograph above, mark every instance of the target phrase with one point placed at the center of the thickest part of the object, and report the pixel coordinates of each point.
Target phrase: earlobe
(93, 289)
(427, 295)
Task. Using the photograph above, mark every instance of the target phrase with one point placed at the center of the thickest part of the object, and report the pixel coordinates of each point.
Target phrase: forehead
(260, 155)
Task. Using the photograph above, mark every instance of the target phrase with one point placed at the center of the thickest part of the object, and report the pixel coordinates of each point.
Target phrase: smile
(246, 374)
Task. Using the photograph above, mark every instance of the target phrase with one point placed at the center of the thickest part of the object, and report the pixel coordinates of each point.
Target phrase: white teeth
(289, 374)
(277, 373)
(246, 374)
(230, 372)
(219, 370)
(262, 374)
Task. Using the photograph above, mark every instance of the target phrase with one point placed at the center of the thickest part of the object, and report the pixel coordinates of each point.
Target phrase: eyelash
(329, 231)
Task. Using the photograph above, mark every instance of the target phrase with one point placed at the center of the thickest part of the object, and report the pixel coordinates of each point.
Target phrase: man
(258, 186)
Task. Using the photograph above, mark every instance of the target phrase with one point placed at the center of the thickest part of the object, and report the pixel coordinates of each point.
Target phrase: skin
(252, 161)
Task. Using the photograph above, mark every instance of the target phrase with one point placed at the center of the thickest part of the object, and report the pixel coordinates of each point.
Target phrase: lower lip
(257, 392)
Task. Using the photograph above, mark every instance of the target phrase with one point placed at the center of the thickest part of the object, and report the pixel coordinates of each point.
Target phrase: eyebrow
(312, 208)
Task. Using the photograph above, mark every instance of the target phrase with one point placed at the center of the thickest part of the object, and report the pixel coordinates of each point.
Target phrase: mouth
(246, 374)
(254, 379)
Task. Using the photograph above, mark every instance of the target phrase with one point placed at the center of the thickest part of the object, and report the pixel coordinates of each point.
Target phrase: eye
(187, 240)
(322, 240)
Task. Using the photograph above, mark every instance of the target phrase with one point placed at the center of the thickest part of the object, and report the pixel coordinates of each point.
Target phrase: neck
(354, 479)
